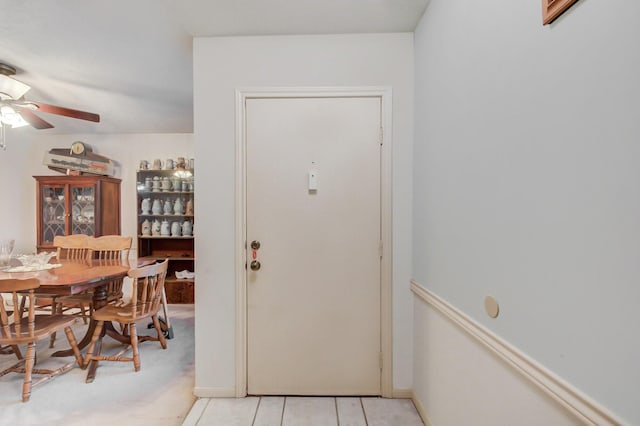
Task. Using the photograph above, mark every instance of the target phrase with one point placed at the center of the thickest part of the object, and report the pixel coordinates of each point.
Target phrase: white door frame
(386, 342)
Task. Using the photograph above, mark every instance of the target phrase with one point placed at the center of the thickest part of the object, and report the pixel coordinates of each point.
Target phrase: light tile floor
(303, 411)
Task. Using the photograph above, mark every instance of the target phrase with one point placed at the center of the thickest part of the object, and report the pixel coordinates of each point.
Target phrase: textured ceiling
(131, 60)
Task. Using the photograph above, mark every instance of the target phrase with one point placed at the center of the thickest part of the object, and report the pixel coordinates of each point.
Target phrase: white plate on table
(33, 268)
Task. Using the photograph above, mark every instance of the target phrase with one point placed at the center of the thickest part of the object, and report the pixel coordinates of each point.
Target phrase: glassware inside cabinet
(54, 212)
(82, 210)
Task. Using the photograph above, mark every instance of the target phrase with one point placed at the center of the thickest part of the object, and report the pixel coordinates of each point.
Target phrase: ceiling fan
(15, 111)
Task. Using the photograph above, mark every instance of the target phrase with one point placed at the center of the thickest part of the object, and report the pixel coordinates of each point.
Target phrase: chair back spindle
(110, 247)
(72, 247)
(148, 284)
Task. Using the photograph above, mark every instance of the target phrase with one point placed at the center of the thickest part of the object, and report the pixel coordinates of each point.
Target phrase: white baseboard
(410, 394)
(578, 404)
(402, 393)
(201, 392)
(421, 410)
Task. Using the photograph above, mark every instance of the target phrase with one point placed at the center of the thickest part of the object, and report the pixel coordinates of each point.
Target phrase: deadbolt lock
(255, 265)
(255, 244)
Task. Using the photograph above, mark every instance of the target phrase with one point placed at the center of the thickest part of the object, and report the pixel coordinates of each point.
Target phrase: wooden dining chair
(107, 249)
(72, 247)
(23, 326)
(146, 297)
(111, 248)
(69, 247)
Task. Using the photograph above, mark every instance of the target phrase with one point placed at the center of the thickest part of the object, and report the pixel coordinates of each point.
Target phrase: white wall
(224, 64)
(23, 159)
(527, 186)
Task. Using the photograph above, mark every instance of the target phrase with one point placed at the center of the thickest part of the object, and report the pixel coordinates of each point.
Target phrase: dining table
(66, 277)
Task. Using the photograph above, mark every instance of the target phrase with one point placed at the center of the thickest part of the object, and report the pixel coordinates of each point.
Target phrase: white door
(313, 314)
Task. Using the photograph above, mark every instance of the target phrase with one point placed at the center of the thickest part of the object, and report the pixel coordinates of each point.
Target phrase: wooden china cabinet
(86, 204)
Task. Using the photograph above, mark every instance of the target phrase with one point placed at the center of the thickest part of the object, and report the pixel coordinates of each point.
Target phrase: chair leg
(11, 349)
(83, 312)
(28, 368)
(96, 335)
(74, 346)
(54, 310)
(156, 324)
(134, 346)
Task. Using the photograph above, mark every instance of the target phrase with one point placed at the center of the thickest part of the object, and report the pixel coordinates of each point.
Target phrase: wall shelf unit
(165, 226)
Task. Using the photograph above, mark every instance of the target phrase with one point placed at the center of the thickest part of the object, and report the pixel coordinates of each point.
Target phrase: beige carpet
(161, 393)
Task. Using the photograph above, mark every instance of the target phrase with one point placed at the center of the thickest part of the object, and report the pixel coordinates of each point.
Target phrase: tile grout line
(364, 412)
(255, 414)
(202, 412)
(284, 405)
(335, 405)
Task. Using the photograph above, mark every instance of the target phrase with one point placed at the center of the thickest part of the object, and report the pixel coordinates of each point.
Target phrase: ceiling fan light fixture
(11, 88)
(10, 117)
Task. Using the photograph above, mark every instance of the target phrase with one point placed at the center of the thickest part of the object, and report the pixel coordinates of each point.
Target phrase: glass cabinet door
(82, 209)
(54, 212)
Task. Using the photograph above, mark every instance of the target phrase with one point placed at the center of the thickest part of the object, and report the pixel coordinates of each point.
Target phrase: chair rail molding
(581, 406)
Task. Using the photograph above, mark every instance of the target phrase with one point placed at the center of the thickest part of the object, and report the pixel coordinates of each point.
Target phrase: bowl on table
(35, 260)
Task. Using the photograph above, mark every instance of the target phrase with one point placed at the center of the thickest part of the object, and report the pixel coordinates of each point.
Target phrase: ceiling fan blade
(33, 119)
(67, 112)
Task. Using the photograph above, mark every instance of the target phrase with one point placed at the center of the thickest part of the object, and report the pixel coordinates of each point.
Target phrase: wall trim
(404, 393)
(585, 409)
(204, 392)
(386, 275)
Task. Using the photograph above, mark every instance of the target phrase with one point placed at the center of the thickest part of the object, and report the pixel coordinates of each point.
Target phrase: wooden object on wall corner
(551, 9)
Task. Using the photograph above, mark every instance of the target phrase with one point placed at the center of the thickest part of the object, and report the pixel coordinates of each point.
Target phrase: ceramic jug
(176, 185)
(155, 228)
(178, 207)
(167, 207)
(186, 228)
(164, 228)
(156, 184)
(156, 208)
(166, 184)
(175, 229)
(146, 227)
(189, 207)
(148, 183)
(146, 206)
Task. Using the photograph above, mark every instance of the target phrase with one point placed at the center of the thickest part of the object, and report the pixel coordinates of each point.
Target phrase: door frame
(386, 339)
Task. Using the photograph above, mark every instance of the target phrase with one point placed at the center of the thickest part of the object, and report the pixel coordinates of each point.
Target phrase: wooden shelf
(164, 192)
(165, 237)
(179, 280)
(168, 256)
(164, 171)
